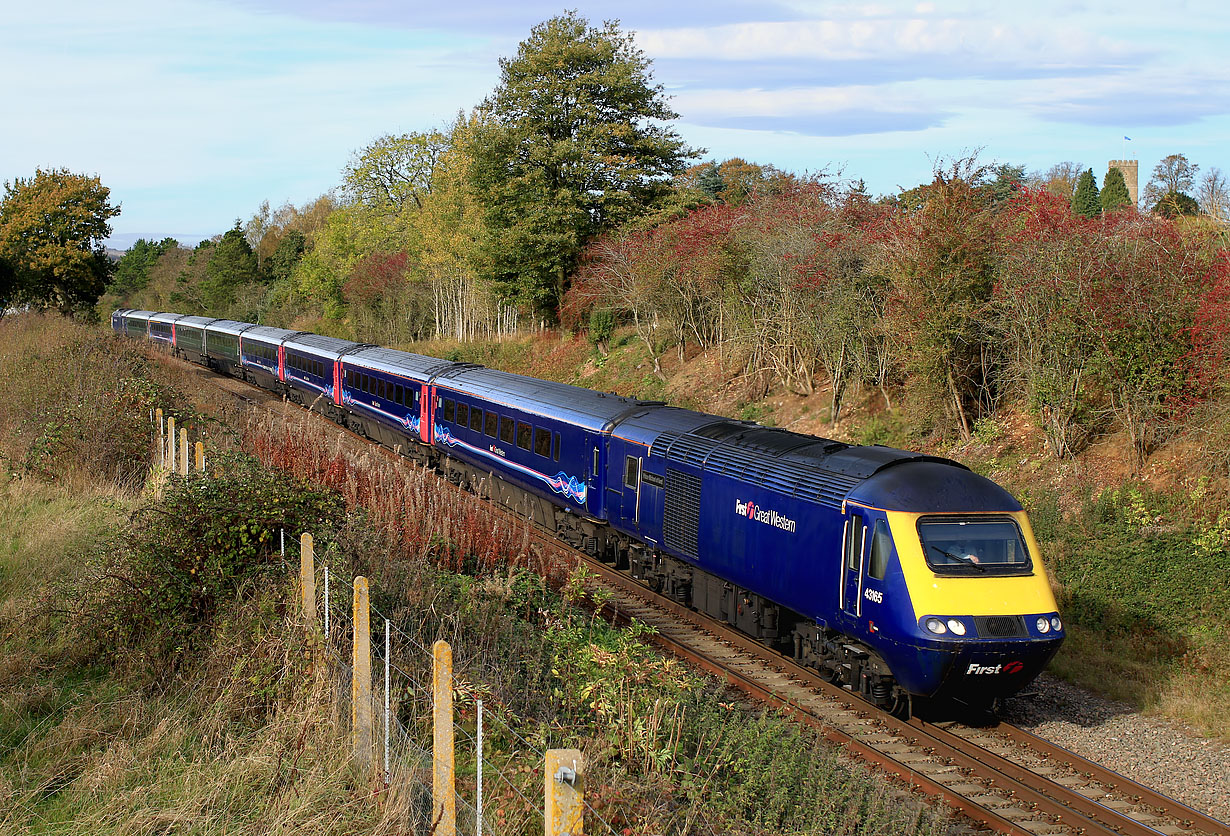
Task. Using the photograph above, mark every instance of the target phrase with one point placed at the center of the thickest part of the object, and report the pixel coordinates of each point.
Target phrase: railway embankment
(155, 678)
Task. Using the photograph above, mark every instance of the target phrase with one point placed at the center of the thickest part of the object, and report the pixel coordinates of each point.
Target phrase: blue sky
(194, 111)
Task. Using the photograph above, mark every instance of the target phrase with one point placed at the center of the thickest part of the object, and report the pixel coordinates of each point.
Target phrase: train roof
(269, 334)
(593, 410)
(806, 466)
(196, 321)
(925, 485)
(414, 366)
(143, 315)
(228, 326)
(328, 347)
(166, 317)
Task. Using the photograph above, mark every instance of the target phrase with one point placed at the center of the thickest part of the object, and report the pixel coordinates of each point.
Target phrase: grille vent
(1001, 626)
(681, 516)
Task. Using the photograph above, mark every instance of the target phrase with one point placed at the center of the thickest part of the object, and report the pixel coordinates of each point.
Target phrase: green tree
(133, 268)
(52, 228)
(568, 145)
(1085, 202)
(1174, 204)
(1006, 181)
(288, 254)
(1114, 191)
(8, 285)
(231, 265)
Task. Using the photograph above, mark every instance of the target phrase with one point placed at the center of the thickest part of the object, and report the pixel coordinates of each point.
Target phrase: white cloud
(886, 38)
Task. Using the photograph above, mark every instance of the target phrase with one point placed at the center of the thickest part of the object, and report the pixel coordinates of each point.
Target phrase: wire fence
(495, 796)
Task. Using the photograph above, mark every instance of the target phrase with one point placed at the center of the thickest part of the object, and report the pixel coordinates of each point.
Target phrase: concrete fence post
(200, 457)
(183, 451)
(361, 684)
(443, 773)
(564, 804)
(169, 452)
(307, 577)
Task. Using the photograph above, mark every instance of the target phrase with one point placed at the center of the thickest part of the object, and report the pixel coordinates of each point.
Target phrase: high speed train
(895, 574)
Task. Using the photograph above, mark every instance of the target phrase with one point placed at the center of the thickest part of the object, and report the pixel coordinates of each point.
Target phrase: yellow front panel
(933, 594)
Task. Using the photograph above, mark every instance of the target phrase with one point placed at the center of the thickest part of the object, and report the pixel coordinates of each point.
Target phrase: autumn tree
(52, 229)
(1085, 201)
(1042, 314)
(1061, 178)
(940, 261)
(395, 171)
(1214, 195)
(1114, 193)
(569, 145)
(1145, 285)
(1174, 175)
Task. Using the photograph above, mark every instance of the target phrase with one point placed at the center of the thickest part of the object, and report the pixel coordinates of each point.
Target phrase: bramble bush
(209, 541)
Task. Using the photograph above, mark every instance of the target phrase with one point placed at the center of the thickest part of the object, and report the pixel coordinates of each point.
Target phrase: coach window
(365, 383)
(506, 429)
(491, 423)
(556, 452)
(476, 420)
(450, 410)
(881, 545)
(523, 435)
(542, 442)
(632, 471)
(463, 415)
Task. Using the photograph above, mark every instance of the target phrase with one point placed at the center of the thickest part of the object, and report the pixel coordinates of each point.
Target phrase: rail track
(998, 776)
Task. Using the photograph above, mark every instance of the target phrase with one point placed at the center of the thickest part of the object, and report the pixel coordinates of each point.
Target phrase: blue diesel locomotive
(895, 574)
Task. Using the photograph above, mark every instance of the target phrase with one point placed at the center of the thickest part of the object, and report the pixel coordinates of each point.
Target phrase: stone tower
(1131, 176)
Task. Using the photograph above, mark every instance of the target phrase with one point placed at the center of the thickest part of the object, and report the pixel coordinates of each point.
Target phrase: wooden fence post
(361, 684)
(183, 451)
(307, 577)
(564, 804)
(443, 774)
(169, 453)
(200, 457)
(162, 442)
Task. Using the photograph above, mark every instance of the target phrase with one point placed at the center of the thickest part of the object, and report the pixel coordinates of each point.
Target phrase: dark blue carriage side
(546, 438)
(260, 350)
(117, 320)
(222, 345)
(162, 328)
(386, 394)
(739, 501)
(190, 338)
(310, 367)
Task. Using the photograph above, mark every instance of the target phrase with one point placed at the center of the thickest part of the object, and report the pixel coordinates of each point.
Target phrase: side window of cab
(881, 548)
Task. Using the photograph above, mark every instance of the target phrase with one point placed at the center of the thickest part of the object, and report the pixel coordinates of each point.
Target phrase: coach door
(425, 432)
(854, 544)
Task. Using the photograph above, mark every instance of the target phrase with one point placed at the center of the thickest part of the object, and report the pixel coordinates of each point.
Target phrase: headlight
(1043, 625)
(935, 626)
(1056, 624)
(957, 626)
